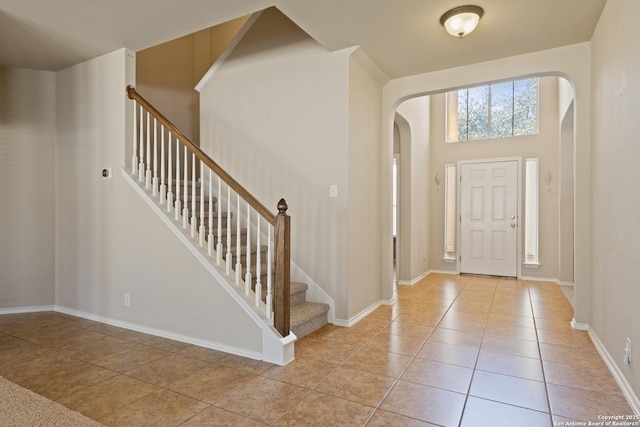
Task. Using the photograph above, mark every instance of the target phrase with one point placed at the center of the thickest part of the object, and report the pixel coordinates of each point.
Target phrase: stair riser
(197, 210)
(310, 325)
(223, 222)
(298, 298)
(243, 242)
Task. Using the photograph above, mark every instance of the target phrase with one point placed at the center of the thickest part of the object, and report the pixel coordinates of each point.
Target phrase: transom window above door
(498, 110)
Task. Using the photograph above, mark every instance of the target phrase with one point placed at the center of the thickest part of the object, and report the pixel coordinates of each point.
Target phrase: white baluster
(154, 181)
(210, 236)
(163, 165)
(247, 275)
(258, 289)
(269, 299)
(238, 244)
(201, 229)
(228, 258)
(169, 171)
(185, 196)
(219, 208)
(194, 219)
(141, 142)
(134, 158)
(147, 180)
(178, 205)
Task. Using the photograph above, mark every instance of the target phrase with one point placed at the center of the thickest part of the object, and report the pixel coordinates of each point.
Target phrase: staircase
(224, 226)
(306, 316)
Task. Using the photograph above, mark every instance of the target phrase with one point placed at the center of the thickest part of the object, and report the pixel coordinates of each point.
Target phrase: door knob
(513, 225)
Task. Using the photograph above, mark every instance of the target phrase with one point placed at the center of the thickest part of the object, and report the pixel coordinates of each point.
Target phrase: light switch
(333, 191)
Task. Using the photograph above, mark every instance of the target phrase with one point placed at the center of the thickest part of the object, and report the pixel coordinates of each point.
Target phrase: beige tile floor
(453, 351)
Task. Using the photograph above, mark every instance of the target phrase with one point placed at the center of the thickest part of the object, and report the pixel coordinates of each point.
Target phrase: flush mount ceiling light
(461, 20)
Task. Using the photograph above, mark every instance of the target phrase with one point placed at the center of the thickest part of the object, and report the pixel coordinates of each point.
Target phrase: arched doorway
(560, 186)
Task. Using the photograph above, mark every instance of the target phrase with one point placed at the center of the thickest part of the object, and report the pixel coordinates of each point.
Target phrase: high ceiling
(404, 37)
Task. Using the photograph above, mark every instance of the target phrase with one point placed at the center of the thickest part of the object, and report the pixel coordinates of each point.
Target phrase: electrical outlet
(627, 351)
(127, 300)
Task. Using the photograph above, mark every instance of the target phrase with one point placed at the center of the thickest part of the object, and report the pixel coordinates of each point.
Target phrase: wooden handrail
(239, 189)
(279, 299)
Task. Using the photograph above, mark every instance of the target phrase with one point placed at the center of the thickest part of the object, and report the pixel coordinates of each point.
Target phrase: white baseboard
(23, 310)
(442, 272)
(539, 279)
(275, 355)
(579, 326)
(218, 272)
(391, 301)
(628, 392)
(412, 281)
(358, 317)
(158, 332)
(561, 283)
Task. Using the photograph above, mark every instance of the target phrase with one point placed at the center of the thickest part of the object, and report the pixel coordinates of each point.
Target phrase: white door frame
(520, 219)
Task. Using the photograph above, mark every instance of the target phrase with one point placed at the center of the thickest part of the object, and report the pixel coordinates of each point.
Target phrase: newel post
(282, 242)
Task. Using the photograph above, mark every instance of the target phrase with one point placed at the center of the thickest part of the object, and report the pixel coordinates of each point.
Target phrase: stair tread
(305, 311)
(296, 287)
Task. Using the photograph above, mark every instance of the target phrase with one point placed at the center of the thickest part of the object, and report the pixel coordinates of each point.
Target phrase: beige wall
(363, 238)
(616, 183)
(167, 74)
(27, 177)
(109, 242)
(565, 183)
(276, 116)
(413, 249)
(544, 145)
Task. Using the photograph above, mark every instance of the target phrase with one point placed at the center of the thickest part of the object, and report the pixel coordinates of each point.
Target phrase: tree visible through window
(494, 111)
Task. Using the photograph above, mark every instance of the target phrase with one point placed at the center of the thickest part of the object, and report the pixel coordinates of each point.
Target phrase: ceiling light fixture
(461, 20)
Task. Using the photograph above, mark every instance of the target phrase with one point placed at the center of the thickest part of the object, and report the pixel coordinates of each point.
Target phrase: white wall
(565, 183)
(414, 189)
(616, 182)
(108, 241)
(27, 176)
(544, 145)
(565, 96)
(276, 116)
(363, 219)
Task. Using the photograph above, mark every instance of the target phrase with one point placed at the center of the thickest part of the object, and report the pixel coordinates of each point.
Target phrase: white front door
(489, 218)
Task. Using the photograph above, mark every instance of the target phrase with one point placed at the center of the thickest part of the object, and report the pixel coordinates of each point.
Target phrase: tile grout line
(544, 374)
(397, 380)
(475, 365)
(125, 374)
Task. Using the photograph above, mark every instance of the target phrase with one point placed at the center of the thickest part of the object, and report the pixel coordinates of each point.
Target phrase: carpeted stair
(305, 316)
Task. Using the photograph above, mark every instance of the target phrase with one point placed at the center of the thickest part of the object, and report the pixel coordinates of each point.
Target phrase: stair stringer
(275, 349)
